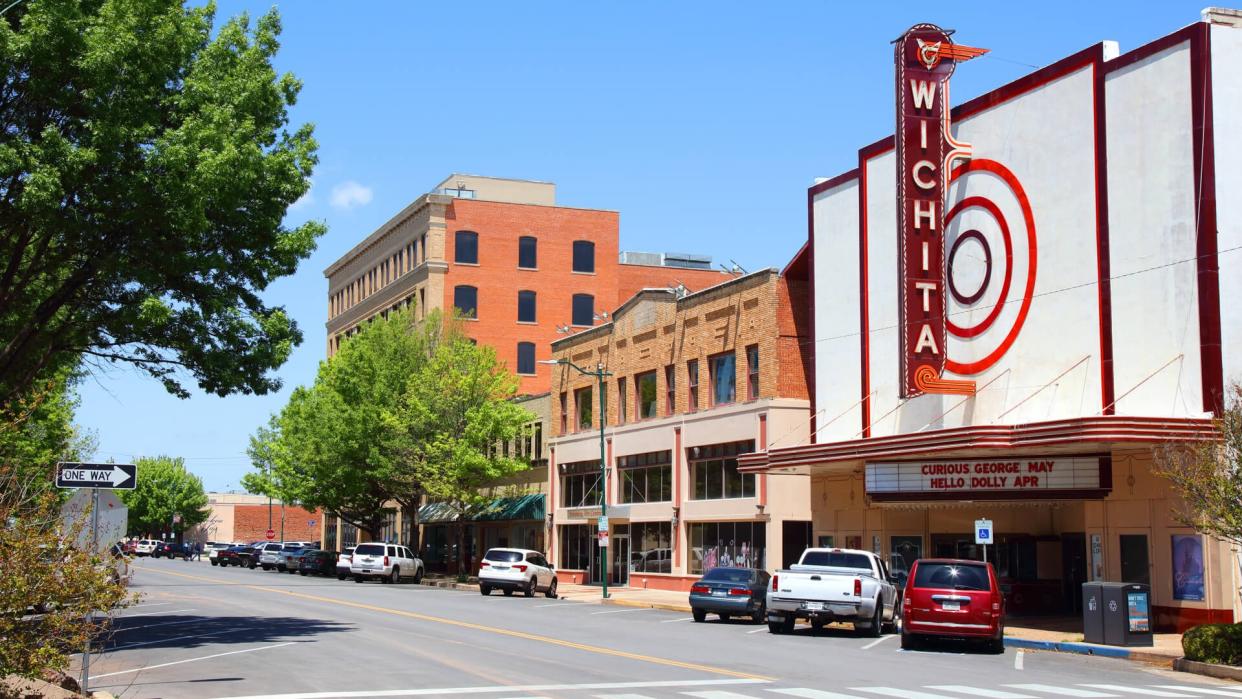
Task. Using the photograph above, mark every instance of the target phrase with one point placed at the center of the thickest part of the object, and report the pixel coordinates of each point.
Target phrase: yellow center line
(486, 629)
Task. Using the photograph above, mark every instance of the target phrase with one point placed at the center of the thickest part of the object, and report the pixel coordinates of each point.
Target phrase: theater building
(695, 381)
(1016, 299)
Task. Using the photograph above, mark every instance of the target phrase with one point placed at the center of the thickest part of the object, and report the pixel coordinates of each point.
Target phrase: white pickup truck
(834, 585)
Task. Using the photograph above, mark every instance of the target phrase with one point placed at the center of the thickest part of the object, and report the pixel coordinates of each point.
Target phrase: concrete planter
(1223, 672)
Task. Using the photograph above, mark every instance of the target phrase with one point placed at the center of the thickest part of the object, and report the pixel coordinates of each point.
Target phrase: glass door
(1135, 566)
(621, 559)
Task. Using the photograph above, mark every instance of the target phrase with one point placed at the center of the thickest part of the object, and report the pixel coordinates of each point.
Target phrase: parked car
(146, 547)
(730, 592)
(269, 554)
(244, 556)
(214, 548)
(511, 570)
(955, 599)
(291, 558)
(343, 561)
(317, 562)
(834, 585)
(174, 550)
(160, 549)
(131, 547)
(385, 562)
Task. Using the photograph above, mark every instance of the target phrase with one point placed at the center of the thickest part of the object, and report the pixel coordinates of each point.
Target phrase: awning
(524, 507)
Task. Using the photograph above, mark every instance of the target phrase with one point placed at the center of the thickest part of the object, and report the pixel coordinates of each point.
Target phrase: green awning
(436, 513)
(506, 509)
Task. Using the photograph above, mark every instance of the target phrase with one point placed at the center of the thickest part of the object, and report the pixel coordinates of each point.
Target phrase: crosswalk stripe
(716, 695)
(812, 693)
(975, 691)
(1199, 689)
(900, 693)
(1138, 690)
(1063, 691)
(622, 696)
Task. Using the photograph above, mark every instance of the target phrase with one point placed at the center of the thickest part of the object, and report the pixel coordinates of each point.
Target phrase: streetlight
(599, 374)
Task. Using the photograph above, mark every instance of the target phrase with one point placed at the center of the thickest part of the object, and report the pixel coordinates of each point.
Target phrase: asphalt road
(202, 631)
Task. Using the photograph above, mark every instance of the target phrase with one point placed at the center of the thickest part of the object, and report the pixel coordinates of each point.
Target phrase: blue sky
(702, 124)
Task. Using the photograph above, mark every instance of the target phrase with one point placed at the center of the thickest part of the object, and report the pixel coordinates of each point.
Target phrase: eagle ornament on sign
(926, 151)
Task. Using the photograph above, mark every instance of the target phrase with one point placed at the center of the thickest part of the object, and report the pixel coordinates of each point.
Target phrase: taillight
(700, 589)
(775, 582)
(905, 605)
(857, 587)
(739, 592)
(521, 568)
(484, 564)
(385, 561)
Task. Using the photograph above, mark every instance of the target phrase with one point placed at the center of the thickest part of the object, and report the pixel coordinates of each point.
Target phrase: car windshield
(952, 576)
(370, 550)
(836, 559)
(729, 575)
(504, 556)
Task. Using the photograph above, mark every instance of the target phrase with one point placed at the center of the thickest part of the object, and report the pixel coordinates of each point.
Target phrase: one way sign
(70, 474)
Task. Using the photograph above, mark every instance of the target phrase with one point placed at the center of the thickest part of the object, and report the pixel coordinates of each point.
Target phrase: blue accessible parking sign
(983, 531)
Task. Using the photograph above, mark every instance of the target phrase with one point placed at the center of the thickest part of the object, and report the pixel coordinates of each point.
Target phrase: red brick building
(245, 518)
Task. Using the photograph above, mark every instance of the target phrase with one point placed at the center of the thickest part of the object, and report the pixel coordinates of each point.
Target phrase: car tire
(508, 592)
(817, 625)
(530, 587)
(357, 578)
(253, 565)
(891, 627)
(699, 615)
(995, 646)
(724, 618)
(787, 624)
(394, 577)
(418, 576)
(485, 590)
(302, 573)
(760, 613)
(909, 641)
(877, 622)
(551, 593)
(215, 563)
(776, 627)
(341, 577)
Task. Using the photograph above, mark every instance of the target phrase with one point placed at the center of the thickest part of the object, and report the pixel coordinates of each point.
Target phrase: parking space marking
(759, 630)
(169, 640)
(716, 694)
(653, 684)
(1017, 659)
(152, 604)
(164, 611)
(877, 642)
(1138, 690)
(1199, 690)
(162, 623)
(674, 621)
(499, 631)
(975, 691)
(191, 660)
(1063, 691)
(621, 611)
(812, 693)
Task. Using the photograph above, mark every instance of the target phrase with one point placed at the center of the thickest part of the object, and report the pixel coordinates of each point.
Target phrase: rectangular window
(582, 404)
(526, 307)
(622, 412)
(564, 413)
(466, 247)
(528, 252)
(584, 256)
(538, 445)
(727, 544)
(646, 477)
(645, 389)
(670, 389)
(466, 300)
(724, 386)
(583, 312)
(692, 376)
(651, 547)
(580, 485)
(526, 358)
(752, 372)
(577, 547)
(715, 475)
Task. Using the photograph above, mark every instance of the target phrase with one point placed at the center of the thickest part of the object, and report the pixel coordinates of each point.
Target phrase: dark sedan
(730, 592)
(245, 556)
(318, 563)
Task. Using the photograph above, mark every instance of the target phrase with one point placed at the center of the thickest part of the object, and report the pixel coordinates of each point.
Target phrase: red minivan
(953, 599)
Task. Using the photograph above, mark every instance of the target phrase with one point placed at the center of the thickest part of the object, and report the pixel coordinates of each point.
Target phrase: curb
(1090, 649)
(1222, 672)
(647, 605)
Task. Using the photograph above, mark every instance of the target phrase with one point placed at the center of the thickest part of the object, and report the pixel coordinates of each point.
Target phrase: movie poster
(1188, 567)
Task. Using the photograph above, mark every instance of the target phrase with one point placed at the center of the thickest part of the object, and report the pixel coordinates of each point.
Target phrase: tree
(38, 431)
(1208, 476)
(146, 166)
(164, 488)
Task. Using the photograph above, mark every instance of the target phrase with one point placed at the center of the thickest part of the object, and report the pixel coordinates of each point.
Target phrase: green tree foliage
(38, 430)
(404, 410)
(146, 165)
(1208, 476)
(164, 488)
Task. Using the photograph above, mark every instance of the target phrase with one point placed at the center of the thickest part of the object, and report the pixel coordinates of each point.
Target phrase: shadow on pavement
(193, 631)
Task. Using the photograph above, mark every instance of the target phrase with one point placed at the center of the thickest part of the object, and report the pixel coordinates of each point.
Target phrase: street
(201, 631)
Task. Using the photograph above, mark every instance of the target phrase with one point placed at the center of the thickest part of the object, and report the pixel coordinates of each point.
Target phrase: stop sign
(270, 534)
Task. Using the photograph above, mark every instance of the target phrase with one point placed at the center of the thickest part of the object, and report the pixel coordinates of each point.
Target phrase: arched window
(466, 247)
(526, 307)
(584, 256)
(466, 300)
(528, 252)
(584, 309)
(526, 358)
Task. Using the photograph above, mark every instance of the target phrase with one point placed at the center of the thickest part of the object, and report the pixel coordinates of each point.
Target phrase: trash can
(1116, 614)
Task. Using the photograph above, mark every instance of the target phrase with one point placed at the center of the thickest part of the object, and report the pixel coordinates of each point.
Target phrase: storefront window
(646, 477)
(715, 472)
(329, 532)
(577, 546)
(905, 550)
(388, 531)
(581, 490)
(651, 547)
(349, 535)
(740, 544)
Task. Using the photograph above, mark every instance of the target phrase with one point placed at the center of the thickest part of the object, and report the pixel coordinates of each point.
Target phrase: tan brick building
(695, 380)
(243, 518)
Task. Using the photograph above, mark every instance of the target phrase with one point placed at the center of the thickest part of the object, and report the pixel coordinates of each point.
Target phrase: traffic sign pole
(86, 653)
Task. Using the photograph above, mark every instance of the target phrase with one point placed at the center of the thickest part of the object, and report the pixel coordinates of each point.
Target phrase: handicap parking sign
(983, 531)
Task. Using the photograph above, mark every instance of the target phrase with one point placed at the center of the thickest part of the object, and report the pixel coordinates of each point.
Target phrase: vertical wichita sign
(925, 59)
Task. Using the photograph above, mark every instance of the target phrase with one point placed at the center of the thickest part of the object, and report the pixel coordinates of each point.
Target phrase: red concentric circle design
(1028, 216)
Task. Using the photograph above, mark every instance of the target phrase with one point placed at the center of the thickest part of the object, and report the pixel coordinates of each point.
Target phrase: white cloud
(350, 194)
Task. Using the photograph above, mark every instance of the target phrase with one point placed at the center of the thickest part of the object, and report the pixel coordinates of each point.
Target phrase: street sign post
(984, 534)
(74, 474)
